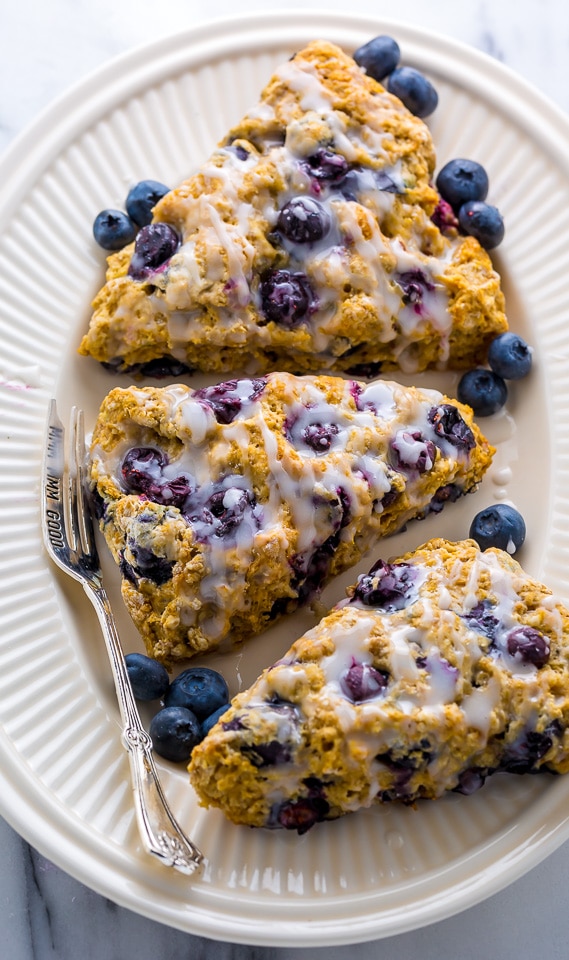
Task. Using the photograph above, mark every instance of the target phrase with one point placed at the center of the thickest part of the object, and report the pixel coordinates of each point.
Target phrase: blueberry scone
(229, 505)
(305, 243)
(444, 666)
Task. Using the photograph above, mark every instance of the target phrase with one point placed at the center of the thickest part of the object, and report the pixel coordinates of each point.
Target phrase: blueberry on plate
(148, 678)
(378, 57)
(462, 180)
(199, 689)
(112, 229)
(510, 356)
(211, 721)
(414, 90)
(499, 526)
(483, 390)
(174, 732)
(482, 221)
(142, 198)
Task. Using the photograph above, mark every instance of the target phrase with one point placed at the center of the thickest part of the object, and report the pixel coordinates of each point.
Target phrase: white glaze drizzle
(222, 222)
(301, 481)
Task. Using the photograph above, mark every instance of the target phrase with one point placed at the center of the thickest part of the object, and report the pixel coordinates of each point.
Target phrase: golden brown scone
(229, 505)
(305, 243)
(446, 665)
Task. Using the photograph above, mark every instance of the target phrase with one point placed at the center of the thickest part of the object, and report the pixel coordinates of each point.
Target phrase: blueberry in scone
(230, 505)
(312, 239)
(444, 666)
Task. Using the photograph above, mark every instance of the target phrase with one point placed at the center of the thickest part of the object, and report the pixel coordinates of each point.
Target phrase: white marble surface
(45, 914)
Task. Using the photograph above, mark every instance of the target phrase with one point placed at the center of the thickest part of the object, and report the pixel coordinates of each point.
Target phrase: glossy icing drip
(320, 470)
(354, 208)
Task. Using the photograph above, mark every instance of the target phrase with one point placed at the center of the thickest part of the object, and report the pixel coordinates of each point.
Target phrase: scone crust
(457, 705)
(205, 308)
(311, 507)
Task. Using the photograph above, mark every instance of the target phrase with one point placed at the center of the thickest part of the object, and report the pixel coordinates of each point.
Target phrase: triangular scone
(445, 666)
(305, 244)
(229, 505)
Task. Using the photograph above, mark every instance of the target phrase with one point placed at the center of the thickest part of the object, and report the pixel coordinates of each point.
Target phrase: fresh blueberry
(113, 230)
(450, 426)
(414, 90)
(362, 682)
(462, 180)
(528, 645)
(174, 732)
(326, 165)
(509, 356)
(148, 678)
(142, 198)
(199, 689)
(378, 57)
(483, 390)
(387, 586)
(286, 298)
(499, 526)
(413, 451)
(482, 221)
(155, 245)
(211, 721)
(303, 220)
(226, 399)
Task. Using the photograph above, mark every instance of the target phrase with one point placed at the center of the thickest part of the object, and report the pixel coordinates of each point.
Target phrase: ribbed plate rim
(29, 155)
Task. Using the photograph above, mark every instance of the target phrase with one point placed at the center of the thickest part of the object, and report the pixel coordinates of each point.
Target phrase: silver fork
(69, 538)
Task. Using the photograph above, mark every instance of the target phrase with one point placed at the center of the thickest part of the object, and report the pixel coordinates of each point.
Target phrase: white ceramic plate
(64, 778)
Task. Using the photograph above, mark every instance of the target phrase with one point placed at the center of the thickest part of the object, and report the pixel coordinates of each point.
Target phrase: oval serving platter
(157, 112)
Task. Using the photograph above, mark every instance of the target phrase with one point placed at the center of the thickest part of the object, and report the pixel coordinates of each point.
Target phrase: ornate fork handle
(69, 539)
(159, 830)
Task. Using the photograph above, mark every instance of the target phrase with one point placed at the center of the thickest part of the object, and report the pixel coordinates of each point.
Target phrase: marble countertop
(46, 914)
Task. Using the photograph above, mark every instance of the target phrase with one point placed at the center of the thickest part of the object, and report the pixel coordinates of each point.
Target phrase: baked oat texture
(446, 665)
(363, 280)
(230, 505)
